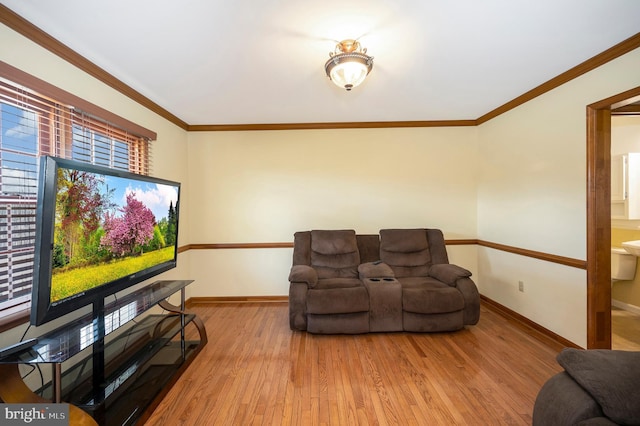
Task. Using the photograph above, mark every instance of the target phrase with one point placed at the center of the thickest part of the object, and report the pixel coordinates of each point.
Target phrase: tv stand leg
(182, 294)
(98, 345)
(196, 320)
(56, 379)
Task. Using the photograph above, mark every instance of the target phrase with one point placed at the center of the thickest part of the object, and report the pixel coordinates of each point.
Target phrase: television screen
(98, 231)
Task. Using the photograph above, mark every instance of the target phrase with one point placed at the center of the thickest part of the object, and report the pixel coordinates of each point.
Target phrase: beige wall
(625, 134)
(264, 186)
(532, 194)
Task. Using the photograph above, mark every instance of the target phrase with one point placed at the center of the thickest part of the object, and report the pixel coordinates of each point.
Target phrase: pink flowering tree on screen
(125, 235)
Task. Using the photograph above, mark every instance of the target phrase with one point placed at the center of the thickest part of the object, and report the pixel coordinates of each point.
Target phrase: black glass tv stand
(129, 362)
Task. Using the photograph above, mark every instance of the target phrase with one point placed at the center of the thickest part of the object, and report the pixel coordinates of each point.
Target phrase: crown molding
(600, 59)
(326, 126)
(35, 34)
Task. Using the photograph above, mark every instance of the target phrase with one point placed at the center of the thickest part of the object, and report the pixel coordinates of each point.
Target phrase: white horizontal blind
(32, 125)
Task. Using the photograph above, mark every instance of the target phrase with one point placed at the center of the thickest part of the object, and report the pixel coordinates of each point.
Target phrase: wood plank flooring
(625, 330)
(256, 371)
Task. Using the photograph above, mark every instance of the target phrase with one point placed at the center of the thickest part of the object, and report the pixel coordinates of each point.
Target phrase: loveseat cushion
(406, 251)
(423, 295)
(334, 254)
(338, 296)
(611, 377)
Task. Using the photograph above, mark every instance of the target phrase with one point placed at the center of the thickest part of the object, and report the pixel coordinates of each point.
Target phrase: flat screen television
(98, 231)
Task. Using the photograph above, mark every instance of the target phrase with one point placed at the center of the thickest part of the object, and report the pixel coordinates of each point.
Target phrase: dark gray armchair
(597, 387)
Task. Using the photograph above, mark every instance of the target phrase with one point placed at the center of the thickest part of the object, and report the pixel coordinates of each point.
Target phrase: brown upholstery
(338, 296)
(343, 282)
(428, 296)
(337, 302)
(334, 254)
(430, 301)
(406, 251)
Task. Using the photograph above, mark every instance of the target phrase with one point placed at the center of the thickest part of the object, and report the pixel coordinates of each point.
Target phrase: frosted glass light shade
(348, 74)
(348, 70)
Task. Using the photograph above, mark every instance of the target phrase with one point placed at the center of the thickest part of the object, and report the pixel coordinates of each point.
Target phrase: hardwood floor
(256, 371)
(625, 330)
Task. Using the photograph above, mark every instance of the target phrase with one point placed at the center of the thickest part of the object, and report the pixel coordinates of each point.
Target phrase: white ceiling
(262, 61)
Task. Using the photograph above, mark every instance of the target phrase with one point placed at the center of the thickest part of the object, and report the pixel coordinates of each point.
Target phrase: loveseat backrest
(437, 246)
(302, 248)
(368, 247)
(335, 254)
(411, 252)
(332, 253)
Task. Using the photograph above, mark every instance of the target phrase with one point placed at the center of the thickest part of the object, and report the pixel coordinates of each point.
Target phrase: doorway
(599, 214)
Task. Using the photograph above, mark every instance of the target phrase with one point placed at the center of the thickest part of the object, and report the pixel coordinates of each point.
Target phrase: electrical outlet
(521, 286)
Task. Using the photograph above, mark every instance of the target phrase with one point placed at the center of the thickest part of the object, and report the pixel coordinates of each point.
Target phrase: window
(34, 124)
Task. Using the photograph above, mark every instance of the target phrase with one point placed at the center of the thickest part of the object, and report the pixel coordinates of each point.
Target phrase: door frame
(599, 216)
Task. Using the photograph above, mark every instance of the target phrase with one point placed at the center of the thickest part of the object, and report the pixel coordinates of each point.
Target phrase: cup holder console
(382, 279)
(385, 301)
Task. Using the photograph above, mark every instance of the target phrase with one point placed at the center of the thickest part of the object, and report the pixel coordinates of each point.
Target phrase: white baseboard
(625, 306)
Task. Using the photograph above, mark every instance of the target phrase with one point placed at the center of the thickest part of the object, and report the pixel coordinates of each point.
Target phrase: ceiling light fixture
(348, 64)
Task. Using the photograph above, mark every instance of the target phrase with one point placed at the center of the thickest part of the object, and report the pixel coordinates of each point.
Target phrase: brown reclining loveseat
(401, 279)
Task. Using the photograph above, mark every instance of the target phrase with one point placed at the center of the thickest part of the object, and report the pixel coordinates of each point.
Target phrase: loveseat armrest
(375, 269)
(460, 278)
(305, 274)
(448, 273)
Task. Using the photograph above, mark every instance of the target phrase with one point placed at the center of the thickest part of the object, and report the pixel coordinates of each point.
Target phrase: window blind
(33, 125)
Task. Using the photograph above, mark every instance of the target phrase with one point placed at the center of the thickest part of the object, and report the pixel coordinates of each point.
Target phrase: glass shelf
(144, 353)
(137, 344)
(64, 342)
